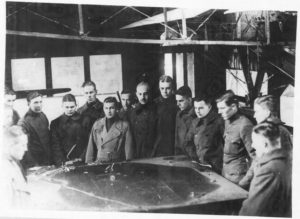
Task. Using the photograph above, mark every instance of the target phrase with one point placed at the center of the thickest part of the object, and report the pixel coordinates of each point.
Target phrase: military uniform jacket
(206, 135)
(143, 122)
(113, 145)
(183, 122)
(286, 144)
(90, 113)
(166, 119)
(68, 138)
(237, 136)
(270, 189)
(124, 114)
(36, 126)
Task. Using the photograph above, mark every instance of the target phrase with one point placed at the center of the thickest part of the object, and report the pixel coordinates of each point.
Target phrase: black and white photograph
(157, 110)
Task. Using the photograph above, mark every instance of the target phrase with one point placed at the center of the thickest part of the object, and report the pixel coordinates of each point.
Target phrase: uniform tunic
(206, 135)
(237, 147)
(165, 135)
(68, 138)
(90, 112)
(183, 122)
(143, 122)
(112, 145)
(270, 189)
(36, 126)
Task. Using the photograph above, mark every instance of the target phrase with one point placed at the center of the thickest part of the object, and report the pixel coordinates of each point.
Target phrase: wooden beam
(205, 37)
(81, 28)
(267, 27)
(166, 24)
(238, 25)
(173, 15)
(127, 40)
(210, 42)
(184, 30)
(244, 56)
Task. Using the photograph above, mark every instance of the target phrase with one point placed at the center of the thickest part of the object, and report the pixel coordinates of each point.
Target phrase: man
(93, 108)
(166, 113)
(237, 136)
(206, 134)
(265, 109)
(13, 185)
(126, 101)
(68, 138)
(111, 136)
(184, 117)
(270, 189)
(36, 125)
(11, 116)
(143, 122)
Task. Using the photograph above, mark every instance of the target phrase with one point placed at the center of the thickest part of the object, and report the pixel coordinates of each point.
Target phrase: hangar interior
(62, 45)
(59, 46)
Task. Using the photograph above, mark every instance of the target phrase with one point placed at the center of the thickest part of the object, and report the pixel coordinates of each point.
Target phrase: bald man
(143, 122)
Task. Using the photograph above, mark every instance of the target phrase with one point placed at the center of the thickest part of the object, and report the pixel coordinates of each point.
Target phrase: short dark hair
(184, 91)
(268, 102)
(269, 130)
(89, 83)
(32, 95)
(204, 97)
(111, 100)
(69, 98)
(229, 97)
(9, 91)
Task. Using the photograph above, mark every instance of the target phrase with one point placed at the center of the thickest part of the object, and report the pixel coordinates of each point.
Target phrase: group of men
(216, 135)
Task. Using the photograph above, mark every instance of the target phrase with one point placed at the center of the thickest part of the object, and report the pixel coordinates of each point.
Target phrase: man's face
(90, 93)
(109, 110)
(36, 104)
(69, 108)
(9, 100)
(201, 108)
(183, 102)
(260, 114)
(226, 111)
(126, 101)
(19, 147)
(165, 89)
(142, 93)
(259, 143)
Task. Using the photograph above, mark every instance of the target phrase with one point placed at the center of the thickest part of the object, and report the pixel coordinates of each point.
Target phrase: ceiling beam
(80, 16)
(173, 15)
(128, 40)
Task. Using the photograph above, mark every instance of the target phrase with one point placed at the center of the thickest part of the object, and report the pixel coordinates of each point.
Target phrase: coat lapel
(113, 133)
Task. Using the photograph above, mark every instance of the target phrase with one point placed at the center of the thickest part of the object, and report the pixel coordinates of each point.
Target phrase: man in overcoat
(166, 109)
(111, 137)
(36, 125)
(270, 189)
(143, 122)
(184, 117)
(68, 137)
(93, 108)
(206, 134)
